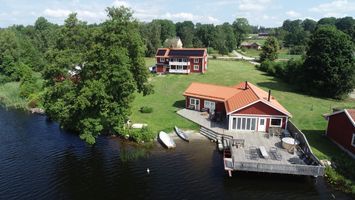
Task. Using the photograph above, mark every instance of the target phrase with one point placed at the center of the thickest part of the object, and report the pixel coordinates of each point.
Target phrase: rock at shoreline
(37, 111)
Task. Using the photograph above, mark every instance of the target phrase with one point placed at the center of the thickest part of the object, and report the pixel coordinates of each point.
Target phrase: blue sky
(267, 13)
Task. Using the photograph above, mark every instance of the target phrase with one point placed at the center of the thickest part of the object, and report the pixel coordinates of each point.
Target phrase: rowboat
(166, 140)
(181, 134)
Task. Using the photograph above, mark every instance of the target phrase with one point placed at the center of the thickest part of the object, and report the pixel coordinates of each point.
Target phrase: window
(175, 59)
(162, 59)
(184, 59)
(196, 67)
(276, 122)
(180, 59)
(196, 60)
(185, 67)
(179, 67)
(244, 123)
(173, 67)
(171, 59)
(353, 140)
(262, 121)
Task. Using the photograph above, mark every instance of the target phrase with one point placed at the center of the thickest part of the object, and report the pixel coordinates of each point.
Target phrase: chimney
(268, 97)
(246, 85)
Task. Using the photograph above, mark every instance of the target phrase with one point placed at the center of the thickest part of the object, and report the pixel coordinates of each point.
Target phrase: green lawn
(283, 54)
(306, 110)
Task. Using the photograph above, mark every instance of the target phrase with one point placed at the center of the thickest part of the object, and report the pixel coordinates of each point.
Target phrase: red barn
(245, 106)
(181, 60)
(341, 129)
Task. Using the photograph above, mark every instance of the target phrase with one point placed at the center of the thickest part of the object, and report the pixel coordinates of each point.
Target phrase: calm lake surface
(40, 161)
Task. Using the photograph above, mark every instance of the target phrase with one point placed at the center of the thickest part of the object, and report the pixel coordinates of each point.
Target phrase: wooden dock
(248, 157)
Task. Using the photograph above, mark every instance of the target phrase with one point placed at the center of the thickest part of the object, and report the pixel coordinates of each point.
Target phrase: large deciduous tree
(241, 29)
(329, 65)
(269, 49)
(109, 68)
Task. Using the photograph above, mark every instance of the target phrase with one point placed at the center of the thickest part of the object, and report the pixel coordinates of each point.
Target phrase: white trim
(210, 103)
(265, 119)
(258, 115)
(236, 124)
(198, 60)
(199, 103)
(198, 67)
(162, 59)
(260, 100)
(353, 140)
(340, 111)
(274, 125)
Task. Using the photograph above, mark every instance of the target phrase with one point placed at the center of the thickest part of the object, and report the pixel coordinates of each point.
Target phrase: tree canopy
(329, 67)
(269, 49)
(109, 67)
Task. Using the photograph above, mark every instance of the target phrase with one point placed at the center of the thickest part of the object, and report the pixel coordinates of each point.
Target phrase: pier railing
(295, 169)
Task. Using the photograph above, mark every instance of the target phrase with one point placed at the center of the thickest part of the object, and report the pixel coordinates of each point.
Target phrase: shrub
(146, 109)
(297, 50)
(141, 135)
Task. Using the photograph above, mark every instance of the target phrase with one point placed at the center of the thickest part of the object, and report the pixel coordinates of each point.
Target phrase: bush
(146, 109)
(141, 135)
(297, 50)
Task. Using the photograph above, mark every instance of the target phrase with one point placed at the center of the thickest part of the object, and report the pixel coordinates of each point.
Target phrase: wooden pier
(258, 151)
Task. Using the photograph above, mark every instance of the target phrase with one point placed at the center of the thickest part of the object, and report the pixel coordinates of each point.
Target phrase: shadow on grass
(318, 140)
(277, 85)
(179, 104)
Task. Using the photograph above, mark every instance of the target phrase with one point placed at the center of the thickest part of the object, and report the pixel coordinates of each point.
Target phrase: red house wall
(160, 69)
(259, 109)
(219, 105)
(340, 129)
(192, 63)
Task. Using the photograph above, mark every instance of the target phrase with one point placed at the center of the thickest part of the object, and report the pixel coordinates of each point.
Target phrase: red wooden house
(245, 106)
(181, 60)
(341, 129)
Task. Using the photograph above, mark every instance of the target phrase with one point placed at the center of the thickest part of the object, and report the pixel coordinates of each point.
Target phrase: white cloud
(253, 5)
(118, 3)
(336, 8)
(182, 16)
(56, 13)
(292, 13)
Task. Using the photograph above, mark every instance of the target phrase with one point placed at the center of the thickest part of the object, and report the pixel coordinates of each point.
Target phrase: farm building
(181, 60)
(341, 129)
(253, 45)
(245, 106)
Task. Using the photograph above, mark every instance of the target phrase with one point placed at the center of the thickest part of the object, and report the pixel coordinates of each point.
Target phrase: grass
(10, 95)
(283, 54)
(306, 110)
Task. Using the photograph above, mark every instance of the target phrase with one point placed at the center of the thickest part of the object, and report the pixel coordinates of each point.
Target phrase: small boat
(181, 134)
(166, 140)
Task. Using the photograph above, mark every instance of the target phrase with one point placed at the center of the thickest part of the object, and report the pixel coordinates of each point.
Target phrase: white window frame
(270, 125)
(195, 100)
(198, 67)
(184, 59)
(175, 60)
(353, 140)
(208, 104)
(180, 67)
(196, 60)
(162, 59)
(245, 125)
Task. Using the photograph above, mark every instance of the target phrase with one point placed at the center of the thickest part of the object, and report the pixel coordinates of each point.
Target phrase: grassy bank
(306, 110)
(10, 95)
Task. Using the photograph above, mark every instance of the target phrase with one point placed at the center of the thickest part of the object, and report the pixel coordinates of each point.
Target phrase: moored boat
(181, 134)
(166, 140)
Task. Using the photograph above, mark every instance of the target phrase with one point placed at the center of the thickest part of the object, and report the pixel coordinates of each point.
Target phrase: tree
(269, 49)
(296, 35)
(309, 25)
(185, 30)
(347, 25)
(206, 33)
(167, 28)
(329, 65)
(150, 33)
(327, 21)
(111, 69)
(241, 29)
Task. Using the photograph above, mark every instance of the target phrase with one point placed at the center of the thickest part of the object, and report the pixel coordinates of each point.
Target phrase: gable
(259, 108)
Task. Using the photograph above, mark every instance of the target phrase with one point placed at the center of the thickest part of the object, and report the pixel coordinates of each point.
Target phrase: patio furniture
(263, 152)
(274, 152)
(289, 143)
(238, 143)
(253, 152)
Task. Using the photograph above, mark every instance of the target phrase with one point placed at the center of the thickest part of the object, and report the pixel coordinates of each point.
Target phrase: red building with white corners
(341, 129)
(181, 60)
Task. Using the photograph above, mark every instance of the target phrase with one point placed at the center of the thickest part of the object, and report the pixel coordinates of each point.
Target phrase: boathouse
(245, 106)
(181, 60)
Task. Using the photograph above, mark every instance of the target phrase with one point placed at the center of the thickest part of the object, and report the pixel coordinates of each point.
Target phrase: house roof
(193, 52)
(350, 113)
(236, 97)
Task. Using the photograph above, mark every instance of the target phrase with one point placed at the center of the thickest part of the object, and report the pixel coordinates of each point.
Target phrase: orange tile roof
(351, 113)
(235, 97)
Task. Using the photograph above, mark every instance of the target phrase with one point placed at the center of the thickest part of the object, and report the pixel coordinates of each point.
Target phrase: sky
(267, 13)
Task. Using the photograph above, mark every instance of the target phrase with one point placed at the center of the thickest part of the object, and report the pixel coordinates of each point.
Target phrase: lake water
(40, 161)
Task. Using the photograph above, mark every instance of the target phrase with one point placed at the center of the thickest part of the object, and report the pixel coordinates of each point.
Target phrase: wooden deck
(243, 158)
